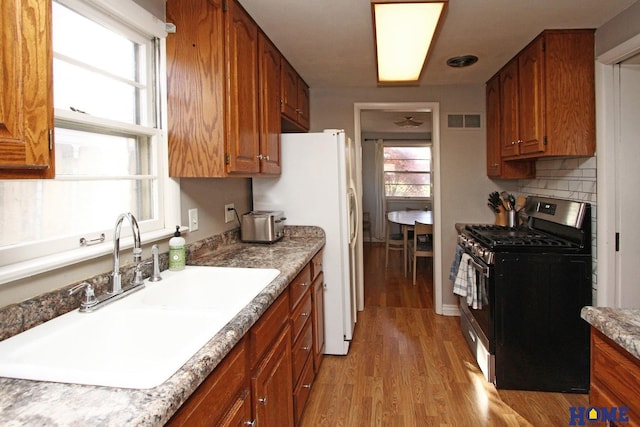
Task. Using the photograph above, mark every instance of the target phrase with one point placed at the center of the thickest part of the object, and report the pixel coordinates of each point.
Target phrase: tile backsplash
(572, 179)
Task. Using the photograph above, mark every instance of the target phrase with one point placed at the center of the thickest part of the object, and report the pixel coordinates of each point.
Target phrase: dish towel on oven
(455, 265)
(465, 284)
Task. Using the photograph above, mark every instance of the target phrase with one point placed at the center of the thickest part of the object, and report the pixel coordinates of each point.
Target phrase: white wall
(464, 183)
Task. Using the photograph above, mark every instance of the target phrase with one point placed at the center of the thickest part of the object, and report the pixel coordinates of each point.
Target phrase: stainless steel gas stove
(524, 290)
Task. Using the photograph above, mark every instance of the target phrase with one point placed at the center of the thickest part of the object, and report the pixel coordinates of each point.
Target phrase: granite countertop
(622, 325)
(24, 402)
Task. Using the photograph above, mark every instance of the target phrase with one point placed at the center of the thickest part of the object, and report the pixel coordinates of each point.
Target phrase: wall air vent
(464, 121)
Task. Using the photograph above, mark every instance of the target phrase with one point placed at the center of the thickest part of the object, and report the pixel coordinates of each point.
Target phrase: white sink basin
(139, 341)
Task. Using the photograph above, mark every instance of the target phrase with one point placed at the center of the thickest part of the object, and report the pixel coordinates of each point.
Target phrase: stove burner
(495, 236)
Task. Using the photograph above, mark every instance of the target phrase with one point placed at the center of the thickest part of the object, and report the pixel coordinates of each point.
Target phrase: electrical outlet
(193, 219)
(229, 213)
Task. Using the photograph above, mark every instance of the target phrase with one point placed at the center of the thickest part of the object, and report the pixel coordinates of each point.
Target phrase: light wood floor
(408, 366)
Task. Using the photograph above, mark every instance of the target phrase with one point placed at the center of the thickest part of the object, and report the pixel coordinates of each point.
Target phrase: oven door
(485, 294)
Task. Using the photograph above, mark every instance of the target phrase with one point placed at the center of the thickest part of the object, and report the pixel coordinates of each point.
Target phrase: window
(109, 142)
(407, 171)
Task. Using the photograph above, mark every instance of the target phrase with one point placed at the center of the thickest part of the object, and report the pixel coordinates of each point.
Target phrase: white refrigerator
(321, 184)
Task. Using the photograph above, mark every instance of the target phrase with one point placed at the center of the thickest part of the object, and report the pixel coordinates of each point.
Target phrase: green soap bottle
(177, 252)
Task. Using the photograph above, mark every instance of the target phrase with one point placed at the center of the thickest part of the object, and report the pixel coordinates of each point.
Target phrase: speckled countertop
(24, 402)
(622, 325)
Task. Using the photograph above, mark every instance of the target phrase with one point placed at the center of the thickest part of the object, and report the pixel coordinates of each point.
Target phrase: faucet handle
(89, 299)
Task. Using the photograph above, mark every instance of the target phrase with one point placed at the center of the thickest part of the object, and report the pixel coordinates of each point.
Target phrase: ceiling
(330, 42)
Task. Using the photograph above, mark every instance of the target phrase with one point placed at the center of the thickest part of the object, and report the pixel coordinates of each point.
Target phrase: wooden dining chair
(393, 242)
(421, 245)
(366, 224)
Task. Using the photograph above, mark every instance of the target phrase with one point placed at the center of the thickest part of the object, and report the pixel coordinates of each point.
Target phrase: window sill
(21, 270)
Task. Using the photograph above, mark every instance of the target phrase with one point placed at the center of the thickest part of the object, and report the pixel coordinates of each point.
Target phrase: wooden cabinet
(222, 399)
(615, 377)
(267, 377)
(295, 99)
(547, 99)
(270, 124)
(496, 166)
(222, 92)
(302, 339)
(271, 385)
(317, 297)
(243, 138)
(26, 104)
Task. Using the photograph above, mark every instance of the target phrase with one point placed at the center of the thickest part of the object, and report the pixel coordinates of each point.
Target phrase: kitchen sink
(139, 341)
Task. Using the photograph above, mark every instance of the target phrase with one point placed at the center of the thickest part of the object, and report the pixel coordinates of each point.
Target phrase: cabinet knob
(306, 385)
(259, 156)
(251, 423)
(266, 157)
(519, 141)
(306, 348)
(495, 165)
(262, 400)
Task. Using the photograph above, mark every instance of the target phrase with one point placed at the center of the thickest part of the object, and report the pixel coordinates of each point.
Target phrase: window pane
(407, 171)
(98, 71)
(91, 43)
(60, 208)
(85, 153)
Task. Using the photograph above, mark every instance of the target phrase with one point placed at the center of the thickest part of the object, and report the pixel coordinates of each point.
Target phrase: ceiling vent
(464, 121)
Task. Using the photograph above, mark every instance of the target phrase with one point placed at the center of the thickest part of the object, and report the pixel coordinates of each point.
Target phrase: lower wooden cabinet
(217, 397)
(267, 378)
(615, 377)
(271, 385)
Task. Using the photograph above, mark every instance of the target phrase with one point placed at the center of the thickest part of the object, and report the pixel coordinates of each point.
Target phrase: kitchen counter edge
(621, 325)
(24, 402)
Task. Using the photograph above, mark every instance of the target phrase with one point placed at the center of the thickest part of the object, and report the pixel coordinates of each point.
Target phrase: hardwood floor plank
(409, 367)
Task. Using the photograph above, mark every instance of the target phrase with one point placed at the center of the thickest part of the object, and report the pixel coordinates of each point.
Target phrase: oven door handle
(484, 270)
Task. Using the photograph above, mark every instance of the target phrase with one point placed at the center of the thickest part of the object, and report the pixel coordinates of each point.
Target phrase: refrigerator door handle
(354, 216)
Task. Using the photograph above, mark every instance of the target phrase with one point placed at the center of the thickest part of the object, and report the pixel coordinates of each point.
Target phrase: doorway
(618, 176)
(406, 108)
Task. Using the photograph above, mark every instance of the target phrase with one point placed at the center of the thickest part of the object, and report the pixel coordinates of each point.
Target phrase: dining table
(407, 219)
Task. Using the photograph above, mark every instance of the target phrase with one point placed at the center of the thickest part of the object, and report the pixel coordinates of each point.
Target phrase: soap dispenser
(177, 255)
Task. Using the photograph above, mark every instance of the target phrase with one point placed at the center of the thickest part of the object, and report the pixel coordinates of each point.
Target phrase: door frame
(434, 107)
(608, 137)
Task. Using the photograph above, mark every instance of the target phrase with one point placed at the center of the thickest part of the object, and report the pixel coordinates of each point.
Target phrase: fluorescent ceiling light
(403, 34)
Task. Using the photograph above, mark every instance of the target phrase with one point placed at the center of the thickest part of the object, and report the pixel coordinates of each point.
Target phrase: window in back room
(407, 171)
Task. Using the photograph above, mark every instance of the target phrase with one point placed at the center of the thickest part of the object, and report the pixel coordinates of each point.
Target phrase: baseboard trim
(450, 310)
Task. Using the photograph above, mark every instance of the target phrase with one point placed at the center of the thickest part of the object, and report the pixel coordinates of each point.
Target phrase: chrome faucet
(116, 280)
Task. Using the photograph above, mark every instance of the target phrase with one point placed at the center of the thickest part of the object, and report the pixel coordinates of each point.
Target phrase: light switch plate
(193, 219)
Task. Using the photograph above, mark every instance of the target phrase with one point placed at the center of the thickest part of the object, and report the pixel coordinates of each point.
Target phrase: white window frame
(22, 262)
(392, 143)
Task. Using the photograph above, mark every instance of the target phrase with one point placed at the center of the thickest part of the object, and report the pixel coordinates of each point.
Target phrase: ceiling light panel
(404, 32)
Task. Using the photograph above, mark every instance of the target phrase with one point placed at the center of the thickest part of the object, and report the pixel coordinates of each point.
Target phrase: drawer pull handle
(306, 348)
(306, 385)
(304, 314)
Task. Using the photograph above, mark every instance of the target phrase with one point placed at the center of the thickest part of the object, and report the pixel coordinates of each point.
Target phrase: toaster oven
(262, 226)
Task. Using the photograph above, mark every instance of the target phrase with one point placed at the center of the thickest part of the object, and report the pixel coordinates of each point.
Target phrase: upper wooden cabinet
(497, 167)
(295, 99)
(26, 104)
(270, 125)
(222, 82)
(547, 98)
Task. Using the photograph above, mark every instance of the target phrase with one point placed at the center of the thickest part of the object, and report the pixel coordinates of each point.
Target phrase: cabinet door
(242, 91)
(26, 101)
(272, 385)
(195, 88)
(318, 321)
(269, 106)
(303, 104)
(509, 109)
(531, 98)
(493, 127)
(289, 102)
(239, 415)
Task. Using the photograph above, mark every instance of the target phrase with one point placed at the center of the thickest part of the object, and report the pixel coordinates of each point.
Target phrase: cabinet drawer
(300, 315)
(302, 391)
(301, 351)
(267, 328)
(616, 370)
(300, 285)
(316, 264)
(217, 393)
